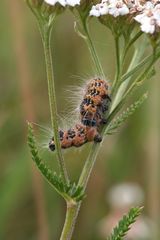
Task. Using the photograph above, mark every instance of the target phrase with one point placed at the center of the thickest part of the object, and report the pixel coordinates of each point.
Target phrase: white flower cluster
(147, 13)
(149, 18)
(112, 7)
(64, 3)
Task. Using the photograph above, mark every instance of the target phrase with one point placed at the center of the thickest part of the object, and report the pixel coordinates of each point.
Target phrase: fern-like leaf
(125, 223)
(116, 123)
(69, 191)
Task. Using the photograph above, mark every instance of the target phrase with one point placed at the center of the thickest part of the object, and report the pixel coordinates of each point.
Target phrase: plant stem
(138, 53)
(46, 36)
(118, 65)
(92, 50)
(121, 59)
(118, 59)
(71, 215)
(89, 165)
(72, 210)
(131, 42)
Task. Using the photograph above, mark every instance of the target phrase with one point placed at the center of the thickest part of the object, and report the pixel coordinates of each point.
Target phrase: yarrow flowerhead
(149, 18)
(112, 7)
(147, 13)
(64, 3)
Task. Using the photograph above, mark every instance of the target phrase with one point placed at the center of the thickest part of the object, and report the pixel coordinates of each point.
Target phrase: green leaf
(69, 191)
(138, 67)
(116, 123)
(125, 223)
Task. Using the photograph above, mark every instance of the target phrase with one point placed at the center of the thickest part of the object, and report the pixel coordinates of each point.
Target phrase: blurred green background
(29, 209)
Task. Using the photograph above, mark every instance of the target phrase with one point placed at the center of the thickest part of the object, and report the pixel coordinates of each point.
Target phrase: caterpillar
(94, 105)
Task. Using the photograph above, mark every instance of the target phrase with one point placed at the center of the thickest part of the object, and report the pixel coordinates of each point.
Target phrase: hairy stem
(46, 35)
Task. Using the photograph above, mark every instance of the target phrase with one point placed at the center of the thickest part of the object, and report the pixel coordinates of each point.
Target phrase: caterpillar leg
(97, 138)
(104, 121)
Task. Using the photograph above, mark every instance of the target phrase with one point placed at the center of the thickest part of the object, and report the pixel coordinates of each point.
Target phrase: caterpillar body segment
(76, 137)
(95, 103)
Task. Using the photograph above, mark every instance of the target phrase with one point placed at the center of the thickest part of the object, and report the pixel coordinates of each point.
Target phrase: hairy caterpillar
(92, 109)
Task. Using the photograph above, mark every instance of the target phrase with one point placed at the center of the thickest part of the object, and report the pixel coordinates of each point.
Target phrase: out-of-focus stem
(153, 156)
(17, 23)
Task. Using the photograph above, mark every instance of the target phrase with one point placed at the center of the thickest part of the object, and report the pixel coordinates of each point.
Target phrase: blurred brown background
(29, 209)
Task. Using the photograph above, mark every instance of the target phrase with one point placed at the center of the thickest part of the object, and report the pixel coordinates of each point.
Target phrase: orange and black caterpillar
(92, 109)
(76, 136)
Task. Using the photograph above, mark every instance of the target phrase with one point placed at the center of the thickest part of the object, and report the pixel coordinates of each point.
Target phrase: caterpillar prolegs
(92, 109)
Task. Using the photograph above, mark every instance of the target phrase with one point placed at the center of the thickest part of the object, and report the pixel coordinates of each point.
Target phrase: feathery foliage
(125, 223)
(69, 191)
(116, 123)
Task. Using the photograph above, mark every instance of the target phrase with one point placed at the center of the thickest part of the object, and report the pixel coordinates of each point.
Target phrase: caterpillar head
(52, 145)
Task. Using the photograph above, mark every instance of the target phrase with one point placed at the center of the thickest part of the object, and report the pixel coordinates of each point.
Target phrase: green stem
(131, 42)
(92, 50)
(138, 53)
(71, 215)
(118, 65)
(46, 36)
(87, 169)
(72, 210)
(118, 59)
(121, 59)
(136, 68)
(85, 34)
